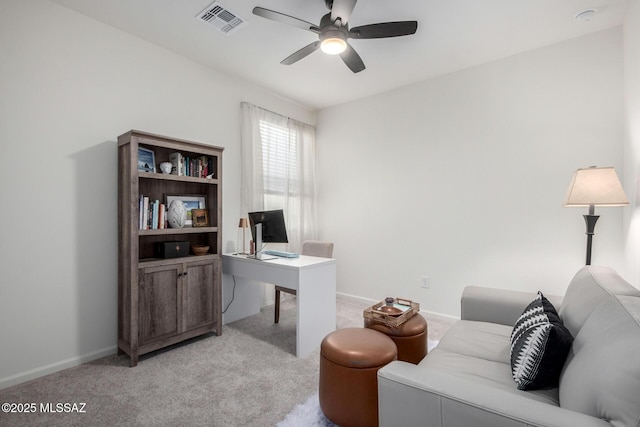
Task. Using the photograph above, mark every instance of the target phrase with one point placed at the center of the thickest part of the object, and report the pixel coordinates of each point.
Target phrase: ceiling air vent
(220, 17)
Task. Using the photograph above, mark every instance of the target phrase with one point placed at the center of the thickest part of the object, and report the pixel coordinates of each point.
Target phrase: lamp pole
(590, 221)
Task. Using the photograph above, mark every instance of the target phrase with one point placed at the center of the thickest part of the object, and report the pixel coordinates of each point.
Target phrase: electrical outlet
(426, 282)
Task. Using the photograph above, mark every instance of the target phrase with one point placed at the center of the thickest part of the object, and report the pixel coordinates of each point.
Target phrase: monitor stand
(258, 243)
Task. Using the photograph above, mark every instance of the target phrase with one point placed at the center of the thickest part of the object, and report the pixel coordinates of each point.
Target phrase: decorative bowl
(391, 311)
(200, 249)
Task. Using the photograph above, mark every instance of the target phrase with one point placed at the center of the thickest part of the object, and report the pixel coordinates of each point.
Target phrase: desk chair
(311, 248)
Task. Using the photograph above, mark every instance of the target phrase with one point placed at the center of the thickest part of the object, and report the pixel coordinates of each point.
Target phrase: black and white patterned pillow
(539, 346)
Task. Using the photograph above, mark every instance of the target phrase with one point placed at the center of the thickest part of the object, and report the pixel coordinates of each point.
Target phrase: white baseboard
(55, 367)
(373, 301)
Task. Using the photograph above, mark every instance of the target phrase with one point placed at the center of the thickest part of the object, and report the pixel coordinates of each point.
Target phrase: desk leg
(316, 305)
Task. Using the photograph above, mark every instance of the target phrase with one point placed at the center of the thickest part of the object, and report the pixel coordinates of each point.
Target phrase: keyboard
(281, 254)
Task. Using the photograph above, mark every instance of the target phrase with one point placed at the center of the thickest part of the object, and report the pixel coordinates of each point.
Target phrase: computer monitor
(273, 228)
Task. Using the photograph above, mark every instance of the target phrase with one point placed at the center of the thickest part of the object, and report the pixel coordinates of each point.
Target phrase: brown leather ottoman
(410, 337)
(349, 363)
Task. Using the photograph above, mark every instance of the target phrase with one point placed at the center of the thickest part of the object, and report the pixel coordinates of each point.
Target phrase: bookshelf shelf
(169, 177)
(158, 262)
(162, 301)
(174, 231)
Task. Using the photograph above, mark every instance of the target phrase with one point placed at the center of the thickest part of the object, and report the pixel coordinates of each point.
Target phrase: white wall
(462, 177)
(438, 172)
(632, 137)
(70, 85)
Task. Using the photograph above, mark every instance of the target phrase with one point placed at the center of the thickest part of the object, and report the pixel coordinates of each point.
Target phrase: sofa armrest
(415, 395)
(497, 305)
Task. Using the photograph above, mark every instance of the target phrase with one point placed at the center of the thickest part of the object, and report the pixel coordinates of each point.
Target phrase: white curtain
(278, 170)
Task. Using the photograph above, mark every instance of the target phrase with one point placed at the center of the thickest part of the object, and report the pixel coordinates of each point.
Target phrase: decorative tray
(375, 314)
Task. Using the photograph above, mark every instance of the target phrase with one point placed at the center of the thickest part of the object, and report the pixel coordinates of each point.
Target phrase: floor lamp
(594, 186)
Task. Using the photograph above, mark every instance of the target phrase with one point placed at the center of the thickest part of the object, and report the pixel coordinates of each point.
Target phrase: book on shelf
(198, 167)
(177, 164)
(161, 215)
(145, 213)
(152, 214)
(141, 209)
(209, 167)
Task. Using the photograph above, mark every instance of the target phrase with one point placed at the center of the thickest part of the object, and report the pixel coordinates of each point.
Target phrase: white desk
(313, 279)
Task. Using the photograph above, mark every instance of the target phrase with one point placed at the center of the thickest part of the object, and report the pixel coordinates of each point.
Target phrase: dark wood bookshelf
(162, 301)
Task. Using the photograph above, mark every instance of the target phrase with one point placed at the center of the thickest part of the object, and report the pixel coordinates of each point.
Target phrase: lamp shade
(243, 223)
(595, 186)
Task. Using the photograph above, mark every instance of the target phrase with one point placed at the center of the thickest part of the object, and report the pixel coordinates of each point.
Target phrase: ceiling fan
(334, 31)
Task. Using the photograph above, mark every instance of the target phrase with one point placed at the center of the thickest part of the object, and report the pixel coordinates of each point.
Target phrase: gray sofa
(466, 380)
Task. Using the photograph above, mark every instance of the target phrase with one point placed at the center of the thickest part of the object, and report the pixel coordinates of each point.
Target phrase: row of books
(152, 214)
(199, 167)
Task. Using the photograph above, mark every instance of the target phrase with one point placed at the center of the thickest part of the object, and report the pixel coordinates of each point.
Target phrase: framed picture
(146, 160)
(190, 202)
(200, 217)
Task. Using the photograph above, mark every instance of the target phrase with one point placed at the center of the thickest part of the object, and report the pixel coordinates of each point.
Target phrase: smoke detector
(585, 15)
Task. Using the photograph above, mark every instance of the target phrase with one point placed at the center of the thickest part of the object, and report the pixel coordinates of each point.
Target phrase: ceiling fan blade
(352, 59)
(298, 55)
(384, 29)
(285, 19)
(342, 9)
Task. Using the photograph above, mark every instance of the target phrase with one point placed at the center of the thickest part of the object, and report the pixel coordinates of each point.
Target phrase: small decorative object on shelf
(166, 167)
(173, 249)
(177, 214)
(200, 217)
(200, 249)
(146, 160)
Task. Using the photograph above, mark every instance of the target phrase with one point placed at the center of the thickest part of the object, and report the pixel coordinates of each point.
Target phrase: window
(278, 170)
(279, 164)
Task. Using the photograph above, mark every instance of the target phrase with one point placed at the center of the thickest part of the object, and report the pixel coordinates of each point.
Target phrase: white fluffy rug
(309, 413)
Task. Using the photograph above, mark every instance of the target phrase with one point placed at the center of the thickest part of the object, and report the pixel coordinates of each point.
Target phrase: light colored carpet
(248, 376)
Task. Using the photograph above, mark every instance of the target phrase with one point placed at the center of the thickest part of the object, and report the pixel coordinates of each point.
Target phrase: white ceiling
(452, 35)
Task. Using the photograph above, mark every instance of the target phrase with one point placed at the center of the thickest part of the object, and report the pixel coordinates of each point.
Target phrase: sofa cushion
(539, 346)
(589, 287)
(601, 377)
(494, 375)
(484, 340)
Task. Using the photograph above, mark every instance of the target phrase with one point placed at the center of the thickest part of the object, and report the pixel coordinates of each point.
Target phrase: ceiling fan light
(333, 45)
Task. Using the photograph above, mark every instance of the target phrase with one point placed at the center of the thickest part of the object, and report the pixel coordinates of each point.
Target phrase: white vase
(177, 214)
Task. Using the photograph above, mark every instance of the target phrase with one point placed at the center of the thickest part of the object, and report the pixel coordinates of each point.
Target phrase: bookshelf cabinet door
(198, 294)
(159, 307)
